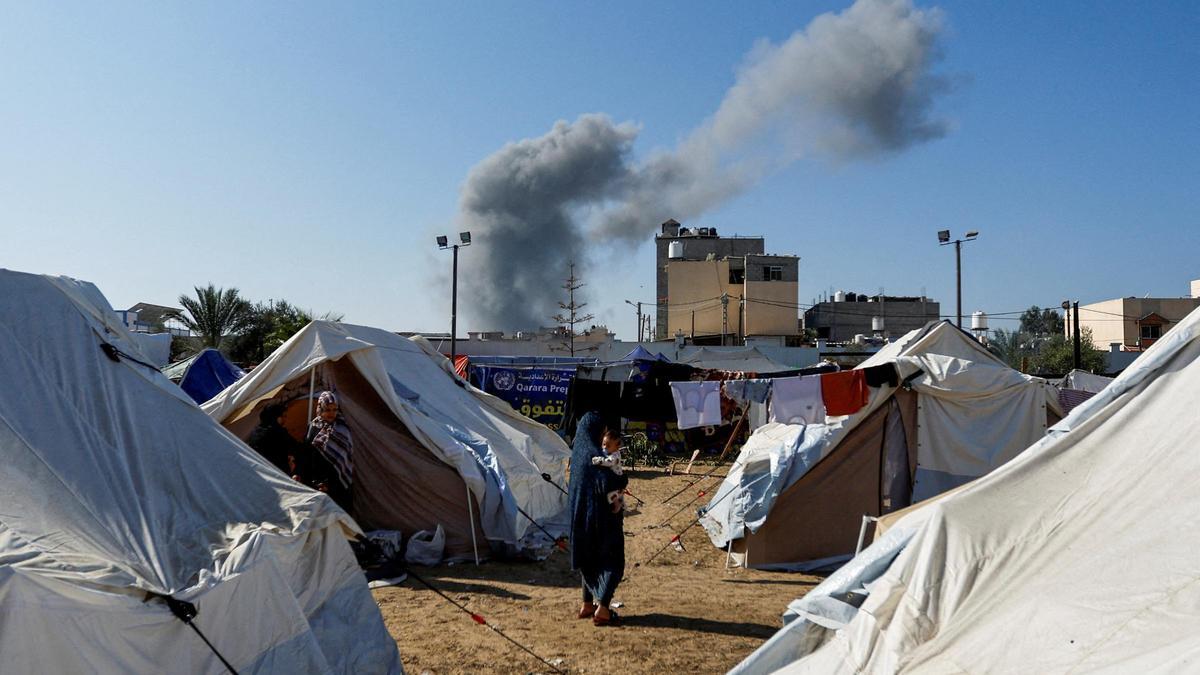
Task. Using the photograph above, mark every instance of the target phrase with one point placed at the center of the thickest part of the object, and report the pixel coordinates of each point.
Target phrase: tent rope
(482, 621)
(115, 354)
(186, 612)
(728, 445)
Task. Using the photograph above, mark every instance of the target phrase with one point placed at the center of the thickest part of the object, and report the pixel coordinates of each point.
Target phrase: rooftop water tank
(877, 324)
(840, 296)
(979, 321)
(675, 250)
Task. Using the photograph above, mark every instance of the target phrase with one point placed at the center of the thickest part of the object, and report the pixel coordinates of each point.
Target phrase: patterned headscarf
(333, 439)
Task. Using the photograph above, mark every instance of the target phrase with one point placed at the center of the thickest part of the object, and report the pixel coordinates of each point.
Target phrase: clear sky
(312, 151)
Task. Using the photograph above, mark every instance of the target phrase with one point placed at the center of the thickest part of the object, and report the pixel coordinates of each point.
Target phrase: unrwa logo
(504, 380)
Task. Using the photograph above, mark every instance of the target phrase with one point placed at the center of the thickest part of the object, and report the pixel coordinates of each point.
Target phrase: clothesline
(804, 399)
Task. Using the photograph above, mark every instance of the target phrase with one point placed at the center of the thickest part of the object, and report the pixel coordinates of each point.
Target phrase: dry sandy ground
(684, 612)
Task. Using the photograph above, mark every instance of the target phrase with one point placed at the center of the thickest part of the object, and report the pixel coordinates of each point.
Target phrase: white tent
(796, 495)
(748, 359)
(499, 454)
(1073, 557)
(116, 492)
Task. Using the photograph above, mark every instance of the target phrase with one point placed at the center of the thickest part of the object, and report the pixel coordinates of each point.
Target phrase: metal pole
(312, 382)
(641, 328)
(471, 514)
(454, 312)
(958, 276)
(1075, 320)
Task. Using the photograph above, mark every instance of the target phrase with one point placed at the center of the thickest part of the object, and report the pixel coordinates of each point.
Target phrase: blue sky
(312, 151)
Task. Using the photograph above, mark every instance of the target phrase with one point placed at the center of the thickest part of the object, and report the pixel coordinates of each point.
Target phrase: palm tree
(1011, 347)
(214, 314)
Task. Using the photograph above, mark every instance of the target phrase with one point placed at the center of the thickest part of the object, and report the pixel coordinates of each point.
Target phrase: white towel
(697, 404)
(797, 400)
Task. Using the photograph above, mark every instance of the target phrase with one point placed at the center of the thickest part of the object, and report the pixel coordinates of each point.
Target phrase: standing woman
(597, 532)
(330, 437)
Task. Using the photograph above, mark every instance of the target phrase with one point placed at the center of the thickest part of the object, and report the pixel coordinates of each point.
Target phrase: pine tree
(570, 317)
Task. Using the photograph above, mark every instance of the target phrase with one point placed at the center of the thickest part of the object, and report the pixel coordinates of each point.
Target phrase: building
(716, 289)
(851, 314)
(1133, 324)
(146, 317)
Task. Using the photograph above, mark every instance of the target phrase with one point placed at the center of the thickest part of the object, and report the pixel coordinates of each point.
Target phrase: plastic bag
(425, 547)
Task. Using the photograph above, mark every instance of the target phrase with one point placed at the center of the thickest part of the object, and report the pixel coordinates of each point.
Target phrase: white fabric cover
(974, 414)
(499, 453)
(1081, 380)
(114, 485)
(1077, 556)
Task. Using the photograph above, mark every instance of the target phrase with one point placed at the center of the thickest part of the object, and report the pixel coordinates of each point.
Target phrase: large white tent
(117, 492)
(434, 436)
(796, 496)
(1074, 557)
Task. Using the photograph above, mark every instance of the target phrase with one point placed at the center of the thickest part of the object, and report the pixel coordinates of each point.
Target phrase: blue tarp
(204, 375)
(640, 353)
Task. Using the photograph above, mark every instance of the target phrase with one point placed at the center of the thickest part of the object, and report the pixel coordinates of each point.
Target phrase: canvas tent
(117, 492)
(429, 448)
(748, 360)
(1076, 556)
(796, 496)
(203, 375)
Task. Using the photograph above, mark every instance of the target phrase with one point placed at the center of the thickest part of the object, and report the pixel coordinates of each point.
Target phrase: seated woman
(272, 441)
(597, 525)
(329, 435)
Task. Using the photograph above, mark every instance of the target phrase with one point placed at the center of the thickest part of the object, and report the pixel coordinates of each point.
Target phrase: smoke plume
(852, 85)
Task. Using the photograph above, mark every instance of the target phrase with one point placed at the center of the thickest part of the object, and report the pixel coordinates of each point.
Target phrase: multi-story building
(851, 314)
(1133, 323)
(722, 289)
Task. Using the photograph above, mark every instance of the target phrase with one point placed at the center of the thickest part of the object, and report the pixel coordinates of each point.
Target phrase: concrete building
(709, 286)
(1133, 324)
(851, 314)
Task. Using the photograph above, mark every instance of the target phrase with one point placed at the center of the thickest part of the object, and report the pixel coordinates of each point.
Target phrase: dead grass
(683, 613)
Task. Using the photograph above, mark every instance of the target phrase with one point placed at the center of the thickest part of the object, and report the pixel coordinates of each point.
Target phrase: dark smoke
(852, 85)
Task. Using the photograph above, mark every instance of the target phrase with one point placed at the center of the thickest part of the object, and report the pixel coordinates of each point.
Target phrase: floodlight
(465, 237)
(972, 234)
(943, 236)
(442, 242)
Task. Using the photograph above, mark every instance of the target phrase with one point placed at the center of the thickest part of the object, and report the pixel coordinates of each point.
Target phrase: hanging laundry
(797, 400)
(697, 404)
(743, 391)
(844, 393)
(877, 376)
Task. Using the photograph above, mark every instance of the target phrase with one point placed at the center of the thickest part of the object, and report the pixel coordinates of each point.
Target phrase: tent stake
(471, 512)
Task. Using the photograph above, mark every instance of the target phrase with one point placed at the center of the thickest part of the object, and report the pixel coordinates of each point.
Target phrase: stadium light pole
(944, 240)
(443, 243)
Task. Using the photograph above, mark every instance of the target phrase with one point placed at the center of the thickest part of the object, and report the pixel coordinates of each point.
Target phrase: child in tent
(612, 461)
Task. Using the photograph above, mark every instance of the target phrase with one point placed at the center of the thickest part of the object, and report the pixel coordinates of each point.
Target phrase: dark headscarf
(589, 508)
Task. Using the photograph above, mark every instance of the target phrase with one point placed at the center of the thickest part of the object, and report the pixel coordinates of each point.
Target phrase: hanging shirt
(844, 393)
(797, 400)
(742, 391)
(697, 404)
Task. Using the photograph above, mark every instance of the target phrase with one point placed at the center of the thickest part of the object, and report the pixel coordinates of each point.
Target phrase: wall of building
(694, 285)
(694, 248)
(841, 321)
(1117, 320)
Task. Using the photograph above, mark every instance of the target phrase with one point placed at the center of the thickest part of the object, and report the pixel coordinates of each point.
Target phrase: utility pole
(724, 317)
(641, 329)
(444, 243)
(944, 240)
(741, 319)
(1073, 326)
(571, 317)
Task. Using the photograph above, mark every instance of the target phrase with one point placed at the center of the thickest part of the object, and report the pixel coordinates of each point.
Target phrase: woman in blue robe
(597, 533)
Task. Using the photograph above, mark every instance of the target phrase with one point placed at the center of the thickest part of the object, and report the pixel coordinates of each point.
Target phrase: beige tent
(429, 449)
(796, 497)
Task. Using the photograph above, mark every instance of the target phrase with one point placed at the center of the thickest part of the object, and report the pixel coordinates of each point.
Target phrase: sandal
(613, 619)
(584, 613)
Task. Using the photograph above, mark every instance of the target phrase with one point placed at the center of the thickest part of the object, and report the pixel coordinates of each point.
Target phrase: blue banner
(537, 393)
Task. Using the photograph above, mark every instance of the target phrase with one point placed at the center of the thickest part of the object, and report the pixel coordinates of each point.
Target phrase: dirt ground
(684, 612)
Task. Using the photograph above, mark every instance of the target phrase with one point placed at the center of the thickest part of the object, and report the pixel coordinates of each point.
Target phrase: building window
(737, 276)
(773, 273)
(1152, 332)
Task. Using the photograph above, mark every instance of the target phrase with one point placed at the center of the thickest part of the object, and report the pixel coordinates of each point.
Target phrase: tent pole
(729, 553)
(312, 383)
(862, 532)
(471, 512)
